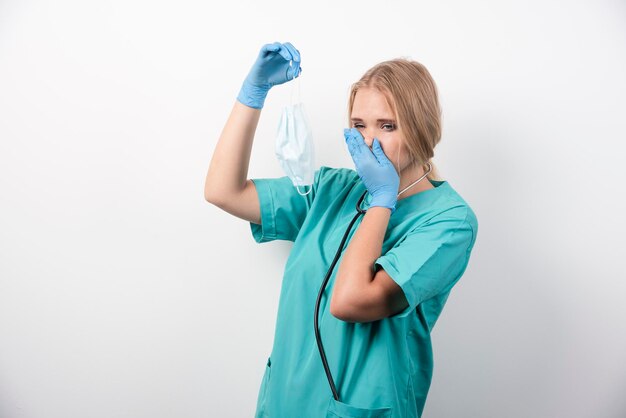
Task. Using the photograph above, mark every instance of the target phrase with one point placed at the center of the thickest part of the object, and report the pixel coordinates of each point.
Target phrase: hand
(375, 169)
(272, 67)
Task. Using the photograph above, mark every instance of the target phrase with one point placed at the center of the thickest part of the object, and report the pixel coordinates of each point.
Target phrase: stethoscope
(328, 273)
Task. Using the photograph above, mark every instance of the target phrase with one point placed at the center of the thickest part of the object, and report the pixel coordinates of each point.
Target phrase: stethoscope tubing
(321, 292)
(328, 273)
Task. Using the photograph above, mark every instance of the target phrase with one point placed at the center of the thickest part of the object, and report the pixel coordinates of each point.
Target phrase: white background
(123, 293)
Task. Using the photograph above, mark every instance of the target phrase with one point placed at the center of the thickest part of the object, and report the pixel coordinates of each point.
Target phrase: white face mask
(294, 146)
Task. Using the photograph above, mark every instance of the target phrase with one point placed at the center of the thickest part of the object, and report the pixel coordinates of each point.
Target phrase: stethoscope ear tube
(321, 292)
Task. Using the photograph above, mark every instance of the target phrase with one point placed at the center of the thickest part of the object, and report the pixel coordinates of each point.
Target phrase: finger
(269, 48)
(294, 67)
(347, 133)
(351, 142)
(359, 141)
(379, 153)
(294, 52)
(284, 52)
(348, 140)
(293, 70)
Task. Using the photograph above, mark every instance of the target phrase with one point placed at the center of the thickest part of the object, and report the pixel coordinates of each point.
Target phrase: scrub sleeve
(430, 259)
(283, 209)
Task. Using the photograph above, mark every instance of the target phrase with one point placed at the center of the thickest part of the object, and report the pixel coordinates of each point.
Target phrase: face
(373, 117)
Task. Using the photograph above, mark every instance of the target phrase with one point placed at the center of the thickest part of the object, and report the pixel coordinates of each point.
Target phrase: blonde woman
(369, 353)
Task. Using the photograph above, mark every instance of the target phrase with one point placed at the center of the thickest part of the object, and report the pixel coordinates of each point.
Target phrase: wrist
(383, 202)
(252, 95)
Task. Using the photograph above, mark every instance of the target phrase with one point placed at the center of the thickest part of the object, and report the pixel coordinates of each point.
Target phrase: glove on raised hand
(272, 67)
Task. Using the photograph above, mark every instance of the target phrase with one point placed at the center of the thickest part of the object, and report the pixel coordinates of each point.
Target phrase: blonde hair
(411, 93)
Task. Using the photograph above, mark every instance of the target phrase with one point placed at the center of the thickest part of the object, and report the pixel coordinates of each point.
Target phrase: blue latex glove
(375, 169)
(270, 68)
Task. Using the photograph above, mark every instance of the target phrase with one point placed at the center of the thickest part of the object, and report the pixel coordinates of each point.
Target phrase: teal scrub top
(381, 368)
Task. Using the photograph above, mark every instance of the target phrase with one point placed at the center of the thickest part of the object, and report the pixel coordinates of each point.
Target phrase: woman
(400, 261)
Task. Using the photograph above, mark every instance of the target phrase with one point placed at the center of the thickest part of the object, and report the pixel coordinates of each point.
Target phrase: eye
(390, 126)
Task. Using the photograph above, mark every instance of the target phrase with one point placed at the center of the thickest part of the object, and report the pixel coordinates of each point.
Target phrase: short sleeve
(283, 209)
(430, 259)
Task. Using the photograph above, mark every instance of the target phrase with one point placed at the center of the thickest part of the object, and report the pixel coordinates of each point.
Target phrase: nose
(368, 137)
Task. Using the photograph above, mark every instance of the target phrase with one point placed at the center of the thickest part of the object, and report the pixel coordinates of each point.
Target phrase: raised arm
(227, 185)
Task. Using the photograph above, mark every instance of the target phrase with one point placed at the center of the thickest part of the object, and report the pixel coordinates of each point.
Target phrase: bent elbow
(209, 197)
(342, 312)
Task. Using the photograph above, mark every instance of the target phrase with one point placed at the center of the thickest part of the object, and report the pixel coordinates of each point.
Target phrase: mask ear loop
(293, 89)
(298, 186)
(296, 83)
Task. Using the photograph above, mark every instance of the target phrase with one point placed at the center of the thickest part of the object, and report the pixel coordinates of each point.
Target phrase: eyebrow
(377, 120)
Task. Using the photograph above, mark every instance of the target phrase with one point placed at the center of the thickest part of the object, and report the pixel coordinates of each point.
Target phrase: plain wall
(123, 293)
